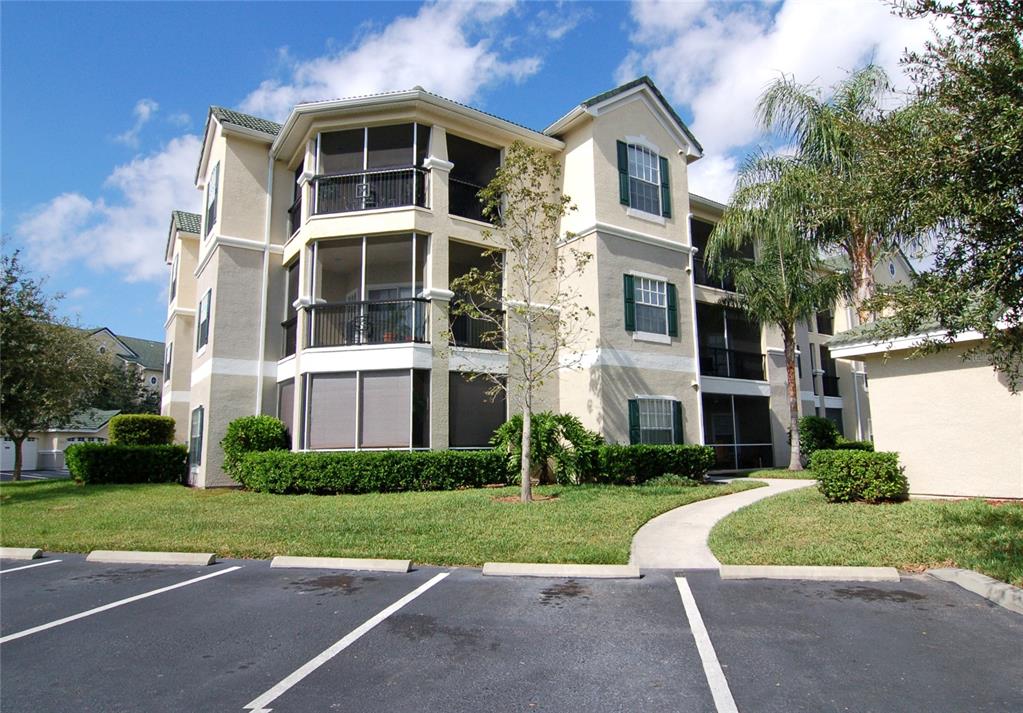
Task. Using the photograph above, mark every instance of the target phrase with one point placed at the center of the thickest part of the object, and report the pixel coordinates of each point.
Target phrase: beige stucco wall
(957, 428)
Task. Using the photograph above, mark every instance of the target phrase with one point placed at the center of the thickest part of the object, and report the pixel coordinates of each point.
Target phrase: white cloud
(717, 58)
(126, 235)
(562, 18)
(179, 119)
(448, 48)
(143, 112)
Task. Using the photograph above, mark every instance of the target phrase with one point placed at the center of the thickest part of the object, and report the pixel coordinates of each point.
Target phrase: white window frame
(654, 411)
(647, 170)
(212, 194)
(643, 288)
(173, 288)
(204, 305)
(168, 364)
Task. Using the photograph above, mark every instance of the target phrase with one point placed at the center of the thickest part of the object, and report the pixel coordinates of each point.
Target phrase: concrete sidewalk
(677, 539)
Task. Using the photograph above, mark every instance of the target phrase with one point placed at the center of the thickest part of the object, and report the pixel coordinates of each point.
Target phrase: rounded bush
(138, 429)
(117, 463)
(563, 450)
(252, 434)
(816, 434)
(846, 476)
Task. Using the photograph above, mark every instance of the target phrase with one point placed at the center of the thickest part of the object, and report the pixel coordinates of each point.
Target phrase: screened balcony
(371, 167)
(701, 230)
(738, 428)
(466, 330)
(366, 291)
(729, 344)
(829, 380)
(474, 167)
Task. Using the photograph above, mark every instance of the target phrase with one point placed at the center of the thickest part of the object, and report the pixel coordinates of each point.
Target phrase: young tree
(527, 303)
(850, 208)
(787, 281)
(48, 369)
(122, 386)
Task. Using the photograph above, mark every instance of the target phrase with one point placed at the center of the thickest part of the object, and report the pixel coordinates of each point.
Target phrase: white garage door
(29, 454)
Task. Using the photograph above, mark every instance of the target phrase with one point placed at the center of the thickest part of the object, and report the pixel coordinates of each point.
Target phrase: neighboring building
(44, 450)
(315, 283)
(144, 354)
(955, 424)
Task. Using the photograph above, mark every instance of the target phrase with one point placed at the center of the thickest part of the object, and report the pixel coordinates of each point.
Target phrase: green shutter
(676, 421)
(665, 189)
(672, 310)
(623, 173)
(634, 435)
(630, 304)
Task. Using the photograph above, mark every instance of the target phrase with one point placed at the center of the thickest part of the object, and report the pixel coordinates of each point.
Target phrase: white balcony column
(306, 180)
(818, 390)
(439, 167)
(301, 330)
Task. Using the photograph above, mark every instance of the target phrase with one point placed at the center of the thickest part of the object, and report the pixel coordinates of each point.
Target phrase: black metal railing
(290, 327)
(703, 277)
(476, 333)
(366, 190)
(345, 324)
(731, 363)
(295, 216)
(463, 199)
(830, 385)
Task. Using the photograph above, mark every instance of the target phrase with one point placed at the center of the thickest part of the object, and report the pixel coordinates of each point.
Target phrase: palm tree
(787, 281)
(849, 209)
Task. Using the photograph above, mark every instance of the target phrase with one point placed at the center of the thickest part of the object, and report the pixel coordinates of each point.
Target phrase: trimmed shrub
(671, 480)
(369, 471)
(116, 463)
(845, 476)
(844, 445)
(635, 464)
(564, 451)
(141, 429)
(816, 434)
(252, 434)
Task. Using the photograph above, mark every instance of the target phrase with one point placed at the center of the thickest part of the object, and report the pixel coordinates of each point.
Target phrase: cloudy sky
(103, 104)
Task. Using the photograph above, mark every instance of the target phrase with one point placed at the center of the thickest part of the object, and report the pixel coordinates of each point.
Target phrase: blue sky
(103, 103)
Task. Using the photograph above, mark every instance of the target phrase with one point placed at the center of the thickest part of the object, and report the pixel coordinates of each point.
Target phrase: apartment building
(315, 285)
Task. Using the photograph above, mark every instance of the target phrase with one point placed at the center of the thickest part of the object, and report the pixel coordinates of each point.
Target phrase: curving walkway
(677, 539)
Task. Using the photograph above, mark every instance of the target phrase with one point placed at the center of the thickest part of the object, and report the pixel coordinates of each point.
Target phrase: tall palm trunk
(789, 341)
(862, 278)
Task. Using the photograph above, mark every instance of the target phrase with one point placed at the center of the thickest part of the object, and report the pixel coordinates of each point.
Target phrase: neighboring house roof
(88, 421)
(866, 339)
(186, 222)
(245, 121)
(147, 353)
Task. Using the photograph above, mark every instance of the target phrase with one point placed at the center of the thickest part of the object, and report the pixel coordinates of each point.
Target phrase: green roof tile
(187, 222)
(150, 353)
(246, 121)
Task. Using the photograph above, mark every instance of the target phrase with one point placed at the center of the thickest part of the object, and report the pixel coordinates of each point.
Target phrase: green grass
(801, 528)
(783, 473)
(584, 524)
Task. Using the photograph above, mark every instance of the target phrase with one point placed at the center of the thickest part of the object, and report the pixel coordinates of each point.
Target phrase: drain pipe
(698, 383)
(264, 284)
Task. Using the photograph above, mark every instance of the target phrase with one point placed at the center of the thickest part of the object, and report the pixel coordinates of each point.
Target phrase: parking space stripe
(723, 701)
(259, 705)
(29, 566)
(112, 605)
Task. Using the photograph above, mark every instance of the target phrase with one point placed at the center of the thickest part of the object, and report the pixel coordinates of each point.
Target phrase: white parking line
(105, 607)
(259, 705)
(723, 701)
(29, 566)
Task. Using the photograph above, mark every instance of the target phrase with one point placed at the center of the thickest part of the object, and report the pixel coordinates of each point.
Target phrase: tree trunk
(789, 340)
(863, 281)
(527, 447)
(16, 475)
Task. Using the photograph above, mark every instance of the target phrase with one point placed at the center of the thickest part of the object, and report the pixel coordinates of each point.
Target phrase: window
(195, 437)
(835, 416)
(174, 279)
(152, 381)
(825, 323)
(654, 420)
(643, 181)
(203, 321)
(167, 362)
(473, 415)
(212, 189)
(286, 404)
(738, 428)
(651, 306)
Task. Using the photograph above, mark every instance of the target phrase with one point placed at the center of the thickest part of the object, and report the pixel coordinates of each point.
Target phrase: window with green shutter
(634, 432)
(643, 180)
(630, 304)
(655, 421)
(651, 306)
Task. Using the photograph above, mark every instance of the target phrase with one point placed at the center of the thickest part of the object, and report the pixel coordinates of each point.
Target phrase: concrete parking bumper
(195, 559)
(1002, 594)
(20, 553)
(818, 574)
(349, 563)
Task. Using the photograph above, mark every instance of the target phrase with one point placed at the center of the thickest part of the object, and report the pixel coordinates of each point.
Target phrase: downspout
(264, 285)
(856, 393)
(692, 316)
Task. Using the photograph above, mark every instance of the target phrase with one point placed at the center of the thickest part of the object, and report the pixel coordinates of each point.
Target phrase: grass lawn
(784, 473)
(801, 528)
(585, 524)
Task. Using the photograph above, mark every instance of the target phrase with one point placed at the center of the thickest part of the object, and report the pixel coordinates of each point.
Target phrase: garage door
(29, 455)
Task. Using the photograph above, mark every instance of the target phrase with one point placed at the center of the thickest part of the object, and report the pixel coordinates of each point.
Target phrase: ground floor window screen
(473, 415)
(286, 404)
(195, 436)
(368, 409)
(739, 430)
(835, 416)
(656, 421)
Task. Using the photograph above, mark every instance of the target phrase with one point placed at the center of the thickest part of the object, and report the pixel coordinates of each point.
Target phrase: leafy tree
(960, 168)
(787, 281)
(48, 369)
(849, 207)
(535, 310)
(122, 386)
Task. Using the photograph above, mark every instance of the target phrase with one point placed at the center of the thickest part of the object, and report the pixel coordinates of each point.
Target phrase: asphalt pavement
(240, 636)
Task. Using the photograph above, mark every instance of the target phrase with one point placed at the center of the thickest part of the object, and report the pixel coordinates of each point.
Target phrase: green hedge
(844, 445)
(369, 471)
(115, 463)
(845, 476)
(252, 434)
(136, 429)
(632, 465)
(816, 434)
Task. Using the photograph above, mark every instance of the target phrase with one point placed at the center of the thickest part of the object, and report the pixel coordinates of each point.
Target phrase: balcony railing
(345, 324)
(703, 277)
(830, 385)
(476, 333)
(290, 327)
(295, 216)
(731, 363)
(463, 199)
(366, 190)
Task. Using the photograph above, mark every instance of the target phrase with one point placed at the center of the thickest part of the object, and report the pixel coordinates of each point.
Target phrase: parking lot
(240, 636)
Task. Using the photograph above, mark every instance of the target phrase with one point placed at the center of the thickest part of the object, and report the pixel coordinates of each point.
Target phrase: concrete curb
(818, 574)
(130, 557)
(568, 571)
(1003, 594)
(20, 553)
(362, 565)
